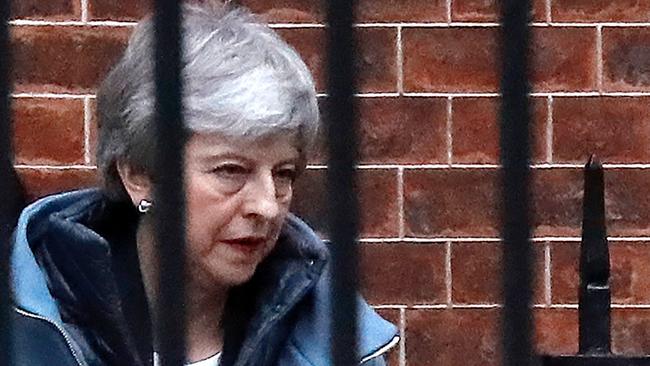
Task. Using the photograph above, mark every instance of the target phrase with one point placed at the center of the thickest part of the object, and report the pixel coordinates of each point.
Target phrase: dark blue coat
(79, 297)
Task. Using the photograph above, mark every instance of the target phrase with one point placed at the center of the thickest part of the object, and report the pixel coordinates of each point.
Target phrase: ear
(137, 183)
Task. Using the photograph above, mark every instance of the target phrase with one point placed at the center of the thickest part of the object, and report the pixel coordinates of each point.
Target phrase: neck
(204, 304)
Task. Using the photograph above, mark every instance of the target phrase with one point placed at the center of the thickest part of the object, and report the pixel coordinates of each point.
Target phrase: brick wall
(429, 151)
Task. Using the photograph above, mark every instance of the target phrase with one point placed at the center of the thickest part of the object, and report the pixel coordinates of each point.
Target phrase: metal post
(169, 211)
(7, 187)
(595, 296)
(343, 211)
(515, 151)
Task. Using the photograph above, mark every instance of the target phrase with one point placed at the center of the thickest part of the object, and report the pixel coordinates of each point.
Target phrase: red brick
(48, 131)
(557, 202)
(630, 277)
(449, 59)
(487, 10)
(42, 182)
(477, 273)
(312, 11)
(468, 337)
(565, 260)
(288, 11)
(385, 268)
(393, 316)
(614, 128)
(630, 331)
(402, 11)
(93, 132)
(119, 9)
(630, 273)
(476, 130)
(77, 58)
(403, 130)
(627, 202)
(564, 59)
(396, 130)
(465, 203)
(600, 10)
(626, 59)
(440, 203)
(458, 337)
(376, 57)
(377, 201)
(51, 9)
(556, 331)
(465, 59)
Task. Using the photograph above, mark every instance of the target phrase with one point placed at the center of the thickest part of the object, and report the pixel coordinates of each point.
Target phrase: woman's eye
(230, 171)
(287, 174)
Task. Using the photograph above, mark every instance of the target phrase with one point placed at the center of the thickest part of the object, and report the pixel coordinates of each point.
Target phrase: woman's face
(238, 196)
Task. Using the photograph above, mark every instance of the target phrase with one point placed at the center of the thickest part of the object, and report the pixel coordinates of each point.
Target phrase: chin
(234, 277)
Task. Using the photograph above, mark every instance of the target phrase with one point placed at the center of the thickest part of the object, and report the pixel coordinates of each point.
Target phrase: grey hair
(240, 79)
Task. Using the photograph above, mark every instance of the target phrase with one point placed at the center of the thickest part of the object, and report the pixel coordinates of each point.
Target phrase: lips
(246, 244)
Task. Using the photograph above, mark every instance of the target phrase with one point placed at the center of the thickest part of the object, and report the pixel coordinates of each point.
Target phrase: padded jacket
(79, 299)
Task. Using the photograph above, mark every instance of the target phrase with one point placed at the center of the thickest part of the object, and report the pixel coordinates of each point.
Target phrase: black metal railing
(169, 198)
(594, 297)
(341, 126)
(7, 188)
(515, 159)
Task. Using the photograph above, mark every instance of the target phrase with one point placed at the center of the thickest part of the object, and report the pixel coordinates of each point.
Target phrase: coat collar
(297, 267)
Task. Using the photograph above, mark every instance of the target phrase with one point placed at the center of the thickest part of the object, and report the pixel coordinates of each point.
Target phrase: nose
(261, 200)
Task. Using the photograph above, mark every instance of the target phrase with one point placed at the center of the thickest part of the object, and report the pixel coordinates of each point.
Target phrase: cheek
(206, 212)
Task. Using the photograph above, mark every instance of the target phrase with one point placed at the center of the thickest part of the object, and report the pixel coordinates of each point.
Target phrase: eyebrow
(231, 155)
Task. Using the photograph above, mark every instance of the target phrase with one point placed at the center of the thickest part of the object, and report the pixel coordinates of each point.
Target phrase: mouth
(246, 245)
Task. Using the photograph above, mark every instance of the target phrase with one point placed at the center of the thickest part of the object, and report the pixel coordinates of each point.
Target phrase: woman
(258, 280)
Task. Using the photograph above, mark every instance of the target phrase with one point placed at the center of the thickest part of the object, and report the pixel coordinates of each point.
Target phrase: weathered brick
(488, 10)
(376, 58)
(600, 10)
(614, 128)
(626, 59)
(475, 130)
(64, 59)
(630, 283)
(312, 11)
(377, 199)
(42, 182)
(439, 203)
(449, 59)
(626, 202)
(48, 131)
(557, 201)
(51, 9)
(630, 331)
(472, 336)
(556, 331)
(119, 9)
(466, 59)
(385, 268)
(477, 273)
(396, 130)
(440, 337)
(564, 59)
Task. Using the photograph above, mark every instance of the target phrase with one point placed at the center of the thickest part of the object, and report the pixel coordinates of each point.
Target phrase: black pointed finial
(595, 296)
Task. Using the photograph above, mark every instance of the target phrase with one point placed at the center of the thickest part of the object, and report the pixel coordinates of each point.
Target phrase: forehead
(271, 149)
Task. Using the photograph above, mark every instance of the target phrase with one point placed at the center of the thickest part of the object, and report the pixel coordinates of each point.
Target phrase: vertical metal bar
(169, 210)
(343, 211)
(515, 151)
(595, 295)
(7, 187)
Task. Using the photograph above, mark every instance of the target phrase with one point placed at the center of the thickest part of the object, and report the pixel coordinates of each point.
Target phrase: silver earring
(144, 206)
